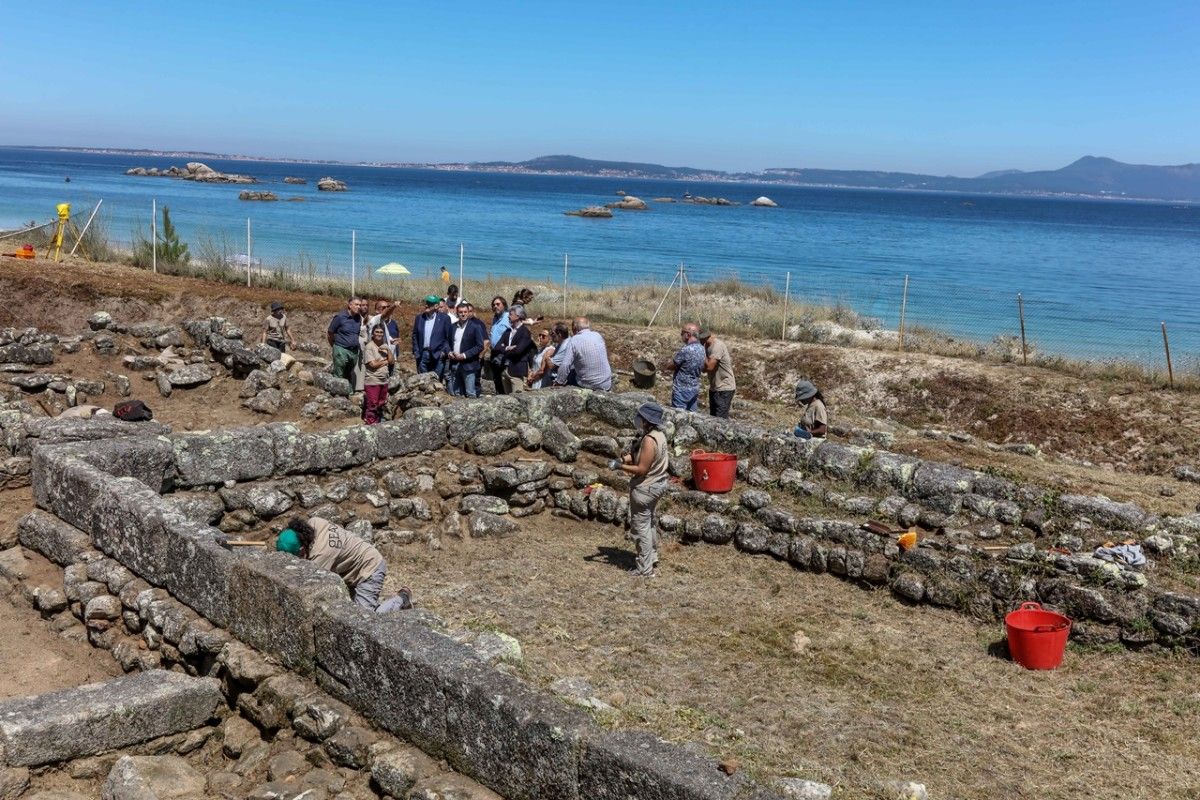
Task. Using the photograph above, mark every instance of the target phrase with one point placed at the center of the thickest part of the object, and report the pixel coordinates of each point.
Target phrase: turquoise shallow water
(1097, 276)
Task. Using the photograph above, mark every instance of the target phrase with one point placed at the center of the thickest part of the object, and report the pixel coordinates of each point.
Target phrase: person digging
(336, 549)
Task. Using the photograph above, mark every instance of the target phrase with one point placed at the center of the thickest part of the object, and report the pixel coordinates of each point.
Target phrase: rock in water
(331, 185)
(249, 195)
(629, 203)
(765, 202)
(290, 179)
(595, 212)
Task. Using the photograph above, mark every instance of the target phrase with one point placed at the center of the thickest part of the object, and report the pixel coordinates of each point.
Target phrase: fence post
(353, 255)
(249, 252)
(1167, 348)
(154, 235)
(1021, 314)
(787, 292)
(903, 309)
(461, 291)
(566, 261)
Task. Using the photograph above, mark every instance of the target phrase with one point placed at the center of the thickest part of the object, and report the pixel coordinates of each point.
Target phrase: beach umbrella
(394, 268)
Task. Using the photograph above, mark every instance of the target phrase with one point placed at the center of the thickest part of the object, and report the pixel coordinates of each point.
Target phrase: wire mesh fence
(804, 303)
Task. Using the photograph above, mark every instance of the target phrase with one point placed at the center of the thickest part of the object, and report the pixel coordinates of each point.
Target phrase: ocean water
(1097, 276)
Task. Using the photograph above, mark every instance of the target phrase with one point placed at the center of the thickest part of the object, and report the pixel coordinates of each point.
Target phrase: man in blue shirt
(582, 360)
(432, 337)
(343, 336)
(688, 363)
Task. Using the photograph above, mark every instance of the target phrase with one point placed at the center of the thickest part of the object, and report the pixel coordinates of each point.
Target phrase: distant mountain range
(1090, 176)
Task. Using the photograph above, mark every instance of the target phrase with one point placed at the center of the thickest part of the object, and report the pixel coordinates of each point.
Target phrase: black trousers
(719, 403)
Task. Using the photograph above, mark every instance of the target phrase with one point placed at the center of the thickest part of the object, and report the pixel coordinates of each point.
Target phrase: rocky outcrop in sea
(331, 185)
(193, 171)
(598, 212)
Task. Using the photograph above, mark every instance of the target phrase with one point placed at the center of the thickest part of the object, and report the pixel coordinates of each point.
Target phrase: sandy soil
(33, 657)
(707, 652)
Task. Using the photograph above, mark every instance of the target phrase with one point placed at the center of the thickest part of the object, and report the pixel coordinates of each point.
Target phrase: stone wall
(398, 672)
(201, 714)
(421, 685)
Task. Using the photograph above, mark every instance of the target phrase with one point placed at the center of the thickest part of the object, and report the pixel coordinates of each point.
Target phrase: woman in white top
(543, 376)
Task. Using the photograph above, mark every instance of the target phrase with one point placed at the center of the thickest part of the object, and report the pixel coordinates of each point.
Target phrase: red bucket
(713, 472)
(1036, 637)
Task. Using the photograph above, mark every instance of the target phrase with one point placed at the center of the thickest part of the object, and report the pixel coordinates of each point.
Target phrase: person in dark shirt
(432, 338)
(343, 336)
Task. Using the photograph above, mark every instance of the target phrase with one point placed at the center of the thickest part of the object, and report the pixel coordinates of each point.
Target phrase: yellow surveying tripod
(64, 225)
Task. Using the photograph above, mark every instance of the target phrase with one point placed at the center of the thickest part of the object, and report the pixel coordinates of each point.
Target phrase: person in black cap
(648, 483)
(275, 329)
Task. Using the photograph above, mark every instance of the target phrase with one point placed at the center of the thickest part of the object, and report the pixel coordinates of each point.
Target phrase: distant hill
(576, 165)
(1089, 175)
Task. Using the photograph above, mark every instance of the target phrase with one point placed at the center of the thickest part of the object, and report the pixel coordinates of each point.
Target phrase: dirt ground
(707, 652)
(33, 657)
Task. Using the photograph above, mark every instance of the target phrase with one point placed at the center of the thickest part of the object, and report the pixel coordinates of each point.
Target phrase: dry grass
(730, 306)
(883, 691)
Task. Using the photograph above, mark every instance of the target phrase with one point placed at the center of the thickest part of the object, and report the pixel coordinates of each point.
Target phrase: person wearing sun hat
(647, 484)
(432, 337)
(815, 422)
(336, 549)
(275, 329)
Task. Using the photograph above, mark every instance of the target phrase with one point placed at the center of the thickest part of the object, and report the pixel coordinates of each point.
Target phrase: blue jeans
(687, 399)
(431, 362)
(464, 382)
(801, 433)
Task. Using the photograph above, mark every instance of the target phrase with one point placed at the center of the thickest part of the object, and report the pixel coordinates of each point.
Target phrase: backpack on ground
(133, 411)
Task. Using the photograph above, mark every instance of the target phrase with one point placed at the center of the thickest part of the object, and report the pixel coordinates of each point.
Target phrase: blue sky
(940, 87)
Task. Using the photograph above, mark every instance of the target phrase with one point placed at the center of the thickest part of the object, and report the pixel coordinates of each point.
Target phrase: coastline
(763, 179)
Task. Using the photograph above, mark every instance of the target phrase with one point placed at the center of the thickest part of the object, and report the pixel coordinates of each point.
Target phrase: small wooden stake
(1021, 314)
(903, 308)
(787, 292)
(1167, 347)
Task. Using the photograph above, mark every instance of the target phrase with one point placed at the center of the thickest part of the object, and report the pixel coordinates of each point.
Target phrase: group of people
(702, 352)
(515, 352)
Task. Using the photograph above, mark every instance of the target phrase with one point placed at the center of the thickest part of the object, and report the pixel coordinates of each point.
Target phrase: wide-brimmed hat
(651, 412)
(277, 306)
(805, 390)
(432, 300)
(703, 334)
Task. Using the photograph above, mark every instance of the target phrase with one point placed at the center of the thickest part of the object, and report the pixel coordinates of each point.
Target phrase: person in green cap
(336, 549)
(432, 337)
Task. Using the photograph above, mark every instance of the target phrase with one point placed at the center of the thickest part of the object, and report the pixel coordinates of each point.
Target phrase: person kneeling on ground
(815, 422)
(336, 549)
(649, 482)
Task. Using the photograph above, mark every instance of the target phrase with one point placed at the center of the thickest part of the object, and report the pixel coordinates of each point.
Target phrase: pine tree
(170, 250)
